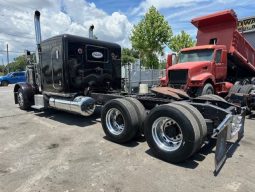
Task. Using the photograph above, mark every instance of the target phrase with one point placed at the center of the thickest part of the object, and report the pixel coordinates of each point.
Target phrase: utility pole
(7, 52)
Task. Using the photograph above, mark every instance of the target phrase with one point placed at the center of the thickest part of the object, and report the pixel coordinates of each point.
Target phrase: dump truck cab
(197, 66)
(221, 57)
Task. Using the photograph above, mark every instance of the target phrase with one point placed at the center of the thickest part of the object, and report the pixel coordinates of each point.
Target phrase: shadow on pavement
(199, 156)
(135, 142)
(70, 118)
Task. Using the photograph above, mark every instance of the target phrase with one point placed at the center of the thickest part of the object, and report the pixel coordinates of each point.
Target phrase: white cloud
(160, 4)
(58, 17)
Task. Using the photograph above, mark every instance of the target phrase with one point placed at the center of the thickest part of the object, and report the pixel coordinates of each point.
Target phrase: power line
(4, 51)
(4, 40)
(17, 35)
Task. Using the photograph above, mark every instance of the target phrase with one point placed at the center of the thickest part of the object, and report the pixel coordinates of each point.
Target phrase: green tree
(129, 55)
(180, 41)
(150, 36)
(19, 64)
(162, 64)
(2, 70)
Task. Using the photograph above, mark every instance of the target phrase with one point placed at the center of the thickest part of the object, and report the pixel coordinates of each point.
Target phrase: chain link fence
(132, 78)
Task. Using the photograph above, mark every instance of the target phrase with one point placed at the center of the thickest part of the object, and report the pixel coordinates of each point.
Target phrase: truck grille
(178, 77)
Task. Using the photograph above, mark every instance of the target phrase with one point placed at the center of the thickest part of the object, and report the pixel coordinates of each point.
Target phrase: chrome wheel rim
(115, 121)
(20, 99)
(167, 133)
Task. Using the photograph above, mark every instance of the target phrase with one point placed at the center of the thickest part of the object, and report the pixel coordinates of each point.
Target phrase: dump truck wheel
(212, 97)
(245, 82)
(199, 118)
(4, 83)
(119, 120)
(253, 80)
(246, 89)
(235, 88)
(172, 132)
(22, 100)
(206, 90)
(140, 111)
(238, 83)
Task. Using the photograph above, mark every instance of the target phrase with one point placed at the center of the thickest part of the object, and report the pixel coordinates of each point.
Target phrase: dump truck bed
(221, 28)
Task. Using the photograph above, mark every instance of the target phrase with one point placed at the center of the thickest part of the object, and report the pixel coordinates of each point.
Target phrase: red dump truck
(221, 57)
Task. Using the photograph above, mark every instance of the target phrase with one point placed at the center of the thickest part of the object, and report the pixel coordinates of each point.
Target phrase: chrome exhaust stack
(91, 35)
(38, 35)
(80, 105)
(38, 50)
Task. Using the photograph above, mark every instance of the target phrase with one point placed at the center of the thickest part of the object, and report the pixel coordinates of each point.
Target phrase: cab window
(218, 56)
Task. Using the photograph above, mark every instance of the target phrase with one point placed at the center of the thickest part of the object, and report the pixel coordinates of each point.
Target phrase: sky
(113, 19)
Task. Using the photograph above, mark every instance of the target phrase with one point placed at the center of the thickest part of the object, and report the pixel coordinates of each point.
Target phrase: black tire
(253, 80)
(235, 88)
(199, 118)
(127, 116)
(245, 82)
(238, 83)
(184, 121)
(212, 97)
(206, 90)
(22, 100)
(246, 89)
(141, 112)
(4, 83)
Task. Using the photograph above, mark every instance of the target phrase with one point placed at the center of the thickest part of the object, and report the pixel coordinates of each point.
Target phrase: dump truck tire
(253, 80)
(238, 83)
(199, 118)
(119, 120)
(235, 88)
(140, 111)
(246, 89)
(245, 82)
(22, 100)
(207, 89)
(179, 137)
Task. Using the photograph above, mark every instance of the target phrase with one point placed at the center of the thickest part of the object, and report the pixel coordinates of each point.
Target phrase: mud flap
(221, 150)
(229, 128)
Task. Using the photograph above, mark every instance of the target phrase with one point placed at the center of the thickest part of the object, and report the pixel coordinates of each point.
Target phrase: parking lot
(58, 151)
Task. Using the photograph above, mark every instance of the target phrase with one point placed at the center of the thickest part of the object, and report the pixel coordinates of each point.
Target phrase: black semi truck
(76, 74)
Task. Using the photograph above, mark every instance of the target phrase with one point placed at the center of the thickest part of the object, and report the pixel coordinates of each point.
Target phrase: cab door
(220, 66)
(57, 68)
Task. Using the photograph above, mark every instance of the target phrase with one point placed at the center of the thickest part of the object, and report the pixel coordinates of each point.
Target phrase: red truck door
(220, 66)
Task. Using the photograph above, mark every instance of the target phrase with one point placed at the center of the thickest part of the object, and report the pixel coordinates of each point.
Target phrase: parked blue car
(13, 77)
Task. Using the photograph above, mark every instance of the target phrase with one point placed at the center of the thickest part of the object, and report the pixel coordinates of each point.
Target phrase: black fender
(28, 89)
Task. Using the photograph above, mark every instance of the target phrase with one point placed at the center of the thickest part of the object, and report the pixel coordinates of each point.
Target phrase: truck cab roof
(76, 38)
(204, 47)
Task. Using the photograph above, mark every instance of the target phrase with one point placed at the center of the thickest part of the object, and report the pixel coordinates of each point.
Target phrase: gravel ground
(61, 152)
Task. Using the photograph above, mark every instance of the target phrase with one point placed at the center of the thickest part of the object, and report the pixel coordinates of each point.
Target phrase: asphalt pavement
(54, 151)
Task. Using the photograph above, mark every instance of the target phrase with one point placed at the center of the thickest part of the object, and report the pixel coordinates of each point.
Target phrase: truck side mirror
(174, 58)
(171, 60)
